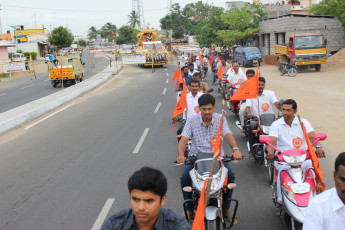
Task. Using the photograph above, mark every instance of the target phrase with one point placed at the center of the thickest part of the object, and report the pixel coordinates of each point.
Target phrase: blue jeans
(215, 77)
(186, 181)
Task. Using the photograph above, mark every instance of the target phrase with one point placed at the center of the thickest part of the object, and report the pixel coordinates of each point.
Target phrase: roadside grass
(4, 75)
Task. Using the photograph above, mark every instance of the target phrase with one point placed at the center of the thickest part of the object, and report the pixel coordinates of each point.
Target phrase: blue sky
(79, 15)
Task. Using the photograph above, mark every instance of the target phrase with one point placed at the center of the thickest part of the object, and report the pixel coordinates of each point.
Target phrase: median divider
(19, 116)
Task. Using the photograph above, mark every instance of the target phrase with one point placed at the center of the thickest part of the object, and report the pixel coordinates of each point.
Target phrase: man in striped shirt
(202, 128)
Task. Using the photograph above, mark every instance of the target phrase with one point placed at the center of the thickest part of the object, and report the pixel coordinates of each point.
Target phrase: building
(281, 7)
(277, 29)
(234, 4)
(4, 45)
(22, 31)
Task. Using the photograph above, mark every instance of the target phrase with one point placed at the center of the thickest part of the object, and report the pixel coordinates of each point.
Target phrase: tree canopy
(133, 19)
(60, 37)
(127, 35)
(108, 31)
(92, 33)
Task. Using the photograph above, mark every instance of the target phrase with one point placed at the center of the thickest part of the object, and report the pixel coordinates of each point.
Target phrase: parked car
(18, 57)
(46, 58)
(247, 56)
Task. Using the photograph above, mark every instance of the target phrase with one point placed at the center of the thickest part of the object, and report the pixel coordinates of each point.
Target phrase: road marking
(47, 80)
(43, 119)
(141, 141)
(167, 81)
(158, 106)
(165, 90)
(105, 84)
(27, 86)
(103, 214)
(167, 74)
(2, 94)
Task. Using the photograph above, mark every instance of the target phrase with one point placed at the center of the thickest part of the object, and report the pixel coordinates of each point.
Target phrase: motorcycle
(264, 123)
(213, 211)
(298, 185)
(234, 106)
(223, 89)
(288, 68)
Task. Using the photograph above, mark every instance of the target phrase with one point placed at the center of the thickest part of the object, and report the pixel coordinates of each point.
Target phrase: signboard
(134, 59)
(125, 51)
(99, 55)
(14, 67)
(141, 50)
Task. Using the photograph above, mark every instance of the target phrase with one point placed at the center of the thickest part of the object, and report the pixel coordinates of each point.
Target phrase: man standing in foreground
(326, 211)
(147, 188)
(202, 128)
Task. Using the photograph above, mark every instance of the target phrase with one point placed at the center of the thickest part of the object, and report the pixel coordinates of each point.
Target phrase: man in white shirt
(235, 78)
(192, 103)
(258, 106)
(286, 133)
(231, 70)
(326, 211)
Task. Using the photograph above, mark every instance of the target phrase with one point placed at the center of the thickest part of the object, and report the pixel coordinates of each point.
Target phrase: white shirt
(290, 137)
(266, 102)
(192, 105)
(234, 78)
(326, 211)
(231, 70)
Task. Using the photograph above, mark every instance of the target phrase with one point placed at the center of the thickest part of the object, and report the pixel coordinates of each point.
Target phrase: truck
(303, 50)
(68, 68)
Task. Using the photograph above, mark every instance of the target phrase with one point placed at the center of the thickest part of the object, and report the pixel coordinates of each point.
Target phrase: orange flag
(248, 90)
(175, 76)
(257, 73)
(216, 147)
(200, 59)
(220, 72)
(211, 58)
(314, 159)
(179, 78)
(61, 70)
(181, 104)
(199, 220)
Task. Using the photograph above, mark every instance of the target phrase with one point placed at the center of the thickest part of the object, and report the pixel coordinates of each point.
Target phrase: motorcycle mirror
(265, 140)
(280, 104)
(210, 90)
(232, 186)
(320, 136)
(187, 189)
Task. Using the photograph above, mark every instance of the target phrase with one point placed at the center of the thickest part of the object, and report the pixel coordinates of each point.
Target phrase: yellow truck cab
(72, 69)
(305, 50)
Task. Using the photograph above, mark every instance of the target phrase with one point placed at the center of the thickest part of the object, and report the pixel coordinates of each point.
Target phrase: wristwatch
(318, 146)
(234, 148)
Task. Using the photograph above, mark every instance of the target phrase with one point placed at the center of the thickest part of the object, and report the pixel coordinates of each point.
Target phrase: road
(62, 172)
(22, 90)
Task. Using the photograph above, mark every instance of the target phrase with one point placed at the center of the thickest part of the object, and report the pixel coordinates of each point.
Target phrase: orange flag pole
(199, 220)
(316, 164)
(175, 76)
(220, 72)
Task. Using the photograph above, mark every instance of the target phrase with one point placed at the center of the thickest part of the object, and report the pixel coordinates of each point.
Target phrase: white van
(18, 57)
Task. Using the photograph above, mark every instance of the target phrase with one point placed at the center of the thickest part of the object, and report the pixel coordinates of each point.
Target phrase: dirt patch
(320, 97)
(337, 60)
(270, 60)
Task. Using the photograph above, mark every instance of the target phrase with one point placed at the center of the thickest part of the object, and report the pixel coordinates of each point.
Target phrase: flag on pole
(201, 59)
(199, 220)
(220, 72)
(211, 58)
(315, 160)
(218, 59)
(181, 104)
(218, 142)
(248, 90)
(175, 76)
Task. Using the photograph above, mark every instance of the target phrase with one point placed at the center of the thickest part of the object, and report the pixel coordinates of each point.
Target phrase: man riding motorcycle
(235, 78)
(258, 106)
(249, 74)
(286, 133)
(202, 128)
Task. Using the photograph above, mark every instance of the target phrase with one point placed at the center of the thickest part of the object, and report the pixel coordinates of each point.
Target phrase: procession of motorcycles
(301, 180)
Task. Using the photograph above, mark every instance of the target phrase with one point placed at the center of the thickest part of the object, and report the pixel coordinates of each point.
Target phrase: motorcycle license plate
(300, 188)
(255, 61)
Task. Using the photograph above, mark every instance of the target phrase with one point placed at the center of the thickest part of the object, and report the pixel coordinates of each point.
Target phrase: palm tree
(108, 31)
(134, 19)
(92, 33)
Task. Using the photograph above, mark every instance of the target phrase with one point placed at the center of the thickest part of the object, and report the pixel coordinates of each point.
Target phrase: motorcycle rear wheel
(270, 172)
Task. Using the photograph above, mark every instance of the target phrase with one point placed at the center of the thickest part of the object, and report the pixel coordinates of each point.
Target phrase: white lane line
(141, 141)
(167, 74)
(103, 214)
(43, 119)
(158, 106)
(165, 90)
(167, 81)
(105, 84)
(2, 94)
(27, 86)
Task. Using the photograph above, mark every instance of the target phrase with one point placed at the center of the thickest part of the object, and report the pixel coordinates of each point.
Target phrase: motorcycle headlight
(266, 129)
(295, 160)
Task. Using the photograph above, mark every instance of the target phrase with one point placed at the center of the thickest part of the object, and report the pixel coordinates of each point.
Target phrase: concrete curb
(19, 116)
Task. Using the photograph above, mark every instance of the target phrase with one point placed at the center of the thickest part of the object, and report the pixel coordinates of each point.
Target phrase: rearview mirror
(320, 136)
(280, 104)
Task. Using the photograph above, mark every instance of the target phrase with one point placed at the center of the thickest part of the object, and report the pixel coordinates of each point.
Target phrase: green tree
(92, 33)
(330, 7)
(108, 31)
(82, 42)
(176, 21)
(61, 37)
(133, 19)
(127, 35)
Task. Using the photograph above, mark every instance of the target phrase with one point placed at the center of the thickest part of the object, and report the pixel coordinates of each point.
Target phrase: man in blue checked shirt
(201, 129)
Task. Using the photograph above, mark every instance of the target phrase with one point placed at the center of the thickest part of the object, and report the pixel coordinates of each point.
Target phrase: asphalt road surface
(22, 90)
(70, 170)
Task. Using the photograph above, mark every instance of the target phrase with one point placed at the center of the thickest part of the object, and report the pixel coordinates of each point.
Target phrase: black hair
(339, 161)
(249, 71)
(194, 81)
(206, 99)
(196, 74)
(190, 64)
(148, 179)
(262, 79)
(291, 102)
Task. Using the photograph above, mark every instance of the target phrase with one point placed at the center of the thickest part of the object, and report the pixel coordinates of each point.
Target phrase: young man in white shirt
(326, 211)
(258, 106)
(286, 133)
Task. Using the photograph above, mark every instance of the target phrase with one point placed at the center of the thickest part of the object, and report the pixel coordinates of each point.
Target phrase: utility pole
(137, 5)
